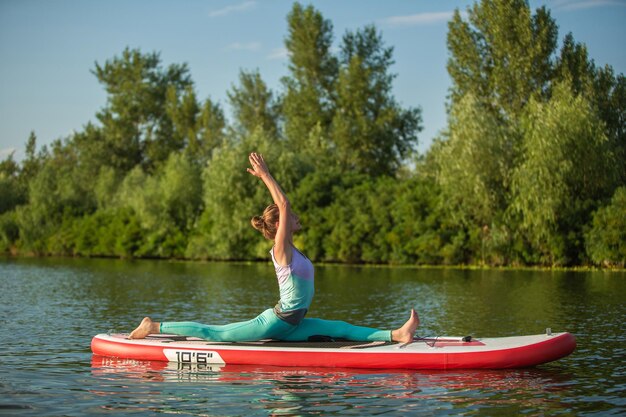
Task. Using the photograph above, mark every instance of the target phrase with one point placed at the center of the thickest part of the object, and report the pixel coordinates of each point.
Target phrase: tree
(609, 98)
(253, 106)
(198, 127)
(502, 54)
(605, 90)
(567, 169)
(58, 192)
(574, 64)
(505, 58)
(370, 132)
(211, 124)
(32, 161)
(135, 126)
(606, 239)
(308, 103)
(182, 108)
(474, 170)
(11, 194)
(181, 184)
(418, 234)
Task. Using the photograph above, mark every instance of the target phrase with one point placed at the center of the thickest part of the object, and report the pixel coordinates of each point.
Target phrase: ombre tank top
(296, 285)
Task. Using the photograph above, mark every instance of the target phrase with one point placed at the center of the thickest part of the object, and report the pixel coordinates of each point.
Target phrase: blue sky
(48, 47)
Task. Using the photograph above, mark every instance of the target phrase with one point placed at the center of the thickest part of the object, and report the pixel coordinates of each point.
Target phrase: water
(51, 308)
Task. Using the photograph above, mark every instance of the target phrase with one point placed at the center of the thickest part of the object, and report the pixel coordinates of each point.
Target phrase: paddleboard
(422, 353)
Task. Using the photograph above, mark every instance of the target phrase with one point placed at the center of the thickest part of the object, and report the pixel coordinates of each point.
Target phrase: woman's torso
(297, 285)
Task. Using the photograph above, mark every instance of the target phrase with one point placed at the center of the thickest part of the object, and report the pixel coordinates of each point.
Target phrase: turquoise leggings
(267, 326)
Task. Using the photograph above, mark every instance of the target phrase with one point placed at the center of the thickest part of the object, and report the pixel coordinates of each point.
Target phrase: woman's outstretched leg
(265, 325)
(341, 329)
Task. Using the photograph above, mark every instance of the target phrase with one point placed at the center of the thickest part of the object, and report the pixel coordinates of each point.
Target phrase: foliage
(523, 173)
(566, 169)
(307, 104)
(253, 106)
(475, 163)
(606, 239)
(371, 133)
(135, 123)
(12, 193)
(502, 54)
(532, 146)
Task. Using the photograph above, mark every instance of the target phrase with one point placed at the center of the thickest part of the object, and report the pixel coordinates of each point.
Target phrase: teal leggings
(268, 326)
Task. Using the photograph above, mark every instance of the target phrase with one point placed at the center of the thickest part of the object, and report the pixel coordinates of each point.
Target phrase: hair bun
(258, 223)
(268, 222)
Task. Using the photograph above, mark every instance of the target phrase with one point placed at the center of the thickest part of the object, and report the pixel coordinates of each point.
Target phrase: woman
(296, 283)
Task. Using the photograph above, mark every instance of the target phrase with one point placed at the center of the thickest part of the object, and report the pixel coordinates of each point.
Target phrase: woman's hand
(259, 167)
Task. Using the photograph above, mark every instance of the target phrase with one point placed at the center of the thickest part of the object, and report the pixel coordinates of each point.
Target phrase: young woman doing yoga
(295, 273)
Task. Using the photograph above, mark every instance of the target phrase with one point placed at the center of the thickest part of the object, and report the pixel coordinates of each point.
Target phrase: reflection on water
(51, 308)
(291, 391)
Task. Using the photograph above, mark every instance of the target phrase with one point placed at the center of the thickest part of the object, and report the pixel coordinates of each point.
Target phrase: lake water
(51, 308)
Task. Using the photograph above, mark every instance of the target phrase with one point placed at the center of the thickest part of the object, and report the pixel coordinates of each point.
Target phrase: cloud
(278, 53)
(239, 46)
(586, 4)
(247, 5)
(418, 19)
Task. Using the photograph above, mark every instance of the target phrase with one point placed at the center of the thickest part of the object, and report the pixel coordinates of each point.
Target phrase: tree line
(529, 170)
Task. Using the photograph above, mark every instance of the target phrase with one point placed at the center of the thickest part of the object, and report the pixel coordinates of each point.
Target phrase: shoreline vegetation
(530, 171)
(469, 267)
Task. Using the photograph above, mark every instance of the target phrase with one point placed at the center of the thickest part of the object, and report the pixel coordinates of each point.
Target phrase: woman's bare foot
(146, 327)
(405, 333)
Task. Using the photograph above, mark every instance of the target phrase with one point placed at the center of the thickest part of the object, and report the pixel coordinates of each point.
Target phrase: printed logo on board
(193, 356)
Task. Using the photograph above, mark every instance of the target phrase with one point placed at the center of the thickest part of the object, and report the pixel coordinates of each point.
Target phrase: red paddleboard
(426, 353)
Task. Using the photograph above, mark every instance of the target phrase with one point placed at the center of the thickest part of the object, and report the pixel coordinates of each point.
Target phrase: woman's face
(295, 223)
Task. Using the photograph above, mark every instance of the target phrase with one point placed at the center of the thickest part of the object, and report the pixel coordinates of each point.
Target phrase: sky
(48, 49)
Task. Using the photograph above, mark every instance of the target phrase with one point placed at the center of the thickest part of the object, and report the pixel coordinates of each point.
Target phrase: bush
(9, 231)
(606, 240)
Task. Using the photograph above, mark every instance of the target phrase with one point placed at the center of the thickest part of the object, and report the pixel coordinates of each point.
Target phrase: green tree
(198, 128)
(606, 239)
(253, 106)
(105, 187)
(182, 108)
(308, 103)
(56, 193)
(370, 132)
(475, 163)
(418, 234)
(32, 161)
(567, 169)
(166, 205)
(15, 177)
(609, 98)
(211, 125)
(11, 191)
(505, 58)
(502, 54)
(107, 232)
(605, 90)
(181, 184)
(575, 65)
(135, 126)
(311, 200)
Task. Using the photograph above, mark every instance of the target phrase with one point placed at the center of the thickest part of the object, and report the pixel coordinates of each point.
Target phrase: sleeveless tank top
(297, 286)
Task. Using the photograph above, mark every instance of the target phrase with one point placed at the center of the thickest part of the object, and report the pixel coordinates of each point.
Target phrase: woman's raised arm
(283, 241)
